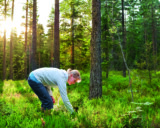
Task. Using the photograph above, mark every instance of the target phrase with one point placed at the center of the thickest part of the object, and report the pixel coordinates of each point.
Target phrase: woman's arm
(63, 92)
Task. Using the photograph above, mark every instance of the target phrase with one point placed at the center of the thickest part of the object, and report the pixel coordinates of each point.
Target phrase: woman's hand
(53, 99)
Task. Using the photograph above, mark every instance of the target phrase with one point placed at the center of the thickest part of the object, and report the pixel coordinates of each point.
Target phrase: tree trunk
(95, 49)
(30, 56)
(11, 45)
(34, 36)
(114, 46)
(4, 45)
(40, 40)
(30, 41)
(123, 35)
(26, 36)
(52, 46)
(56, 52)
(106, 49)
(72, 36)
(153, 40)
(105, 41)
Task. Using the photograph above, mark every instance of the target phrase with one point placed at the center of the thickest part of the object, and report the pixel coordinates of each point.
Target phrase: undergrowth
(20, 107)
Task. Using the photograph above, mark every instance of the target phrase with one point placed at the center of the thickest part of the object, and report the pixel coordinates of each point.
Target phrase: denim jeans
(40, 91)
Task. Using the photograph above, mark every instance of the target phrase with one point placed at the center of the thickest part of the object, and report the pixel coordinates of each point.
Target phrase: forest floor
(20, 107)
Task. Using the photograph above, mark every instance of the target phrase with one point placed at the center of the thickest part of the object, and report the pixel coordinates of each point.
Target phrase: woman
(41, 80)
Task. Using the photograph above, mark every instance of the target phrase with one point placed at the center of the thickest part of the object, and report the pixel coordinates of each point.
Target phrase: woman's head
(73, 76)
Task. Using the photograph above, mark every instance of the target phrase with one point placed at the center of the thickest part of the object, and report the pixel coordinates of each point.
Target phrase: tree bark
(95, 49)
(52, 46)
(4, 45)
(105, 41)
(56, 52)
(153, 40)
(72, 36)
(123, 35)
(26, 36)
(11, 45)
(34, 36)
(30, 39)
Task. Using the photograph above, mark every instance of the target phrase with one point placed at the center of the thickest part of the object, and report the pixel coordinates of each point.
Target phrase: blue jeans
(40, 91)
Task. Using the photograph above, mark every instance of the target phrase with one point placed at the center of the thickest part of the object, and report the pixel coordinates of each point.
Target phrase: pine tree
(95, 49)
(34, 36)
(4, 44)
(56, 54)
(11, 45)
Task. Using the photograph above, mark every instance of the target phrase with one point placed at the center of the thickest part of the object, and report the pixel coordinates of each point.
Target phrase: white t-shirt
(50, 77)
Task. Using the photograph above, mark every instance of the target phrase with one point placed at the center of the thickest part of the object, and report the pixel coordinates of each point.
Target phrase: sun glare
(8, 26)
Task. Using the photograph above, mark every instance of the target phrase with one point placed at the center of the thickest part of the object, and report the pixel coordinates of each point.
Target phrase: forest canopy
(133, 23)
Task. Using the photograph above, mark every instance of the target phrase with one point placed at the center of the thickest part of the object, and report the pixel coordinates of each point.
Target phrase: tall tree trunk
(114, 46)
(30, 51)
(39, 46)
(4, 45)
(34, 36)
(72, 35)
(56, 53)
(123, 35)
(153, 40)
(105, 35)
(30, 41)
(11, 45)
(52, 46)
(39, 60)
(95, 49)
(106, 49)
(26, 36)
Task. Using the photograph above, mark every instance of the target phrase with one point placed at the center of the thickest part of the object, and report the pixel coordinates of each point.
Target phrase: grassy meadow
(20, 107)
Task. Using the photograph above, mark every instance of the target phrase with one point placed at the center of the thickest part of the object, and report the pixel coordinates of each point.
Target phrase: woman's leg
(42, 94)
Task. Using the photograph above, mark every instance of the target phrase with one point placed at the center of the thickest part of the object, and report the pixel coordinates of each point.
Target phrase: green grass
(20, 107)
